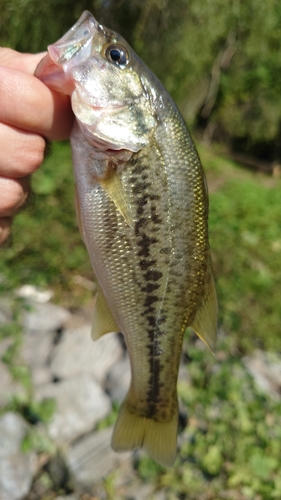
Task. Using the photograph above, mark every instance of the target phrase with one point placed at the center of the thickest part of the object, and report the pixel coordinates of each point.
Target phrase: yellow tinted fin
(205, 322)
(103, 321)
(113, 187)
(159, 439)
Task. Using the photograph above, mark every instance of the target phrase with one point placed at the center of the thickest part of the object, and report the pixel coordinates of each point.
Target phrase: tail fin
(159, 439)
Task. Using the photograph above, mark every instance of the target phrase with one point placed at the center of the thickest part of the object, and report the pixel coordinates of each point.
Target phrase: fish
(142, 207)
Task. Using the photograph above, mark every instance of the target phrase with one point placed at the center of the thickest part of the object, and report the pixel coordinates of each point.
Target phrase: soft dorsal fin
(103, 321)
(113, 187)
(205, 321)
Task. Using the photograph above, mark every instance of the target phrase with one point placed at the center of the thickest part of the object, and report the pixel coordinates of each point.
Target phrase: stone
(78, 353)
(118, 379)
(44, 316)
(34, 293)
(91, 458)
(140, 491)
(16, 468)
(36, 352)
(265, 368)
(5, 344)
(6, 314)
(8, 386)
(67, 497)
(80, 404)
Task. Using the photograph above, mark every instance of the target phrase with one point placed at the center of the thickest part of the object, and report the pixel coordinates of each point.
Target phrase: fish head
(109, 85)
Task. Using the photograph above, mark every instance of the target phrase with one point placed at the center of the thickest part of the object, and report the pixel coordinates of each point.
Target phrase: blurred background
(220, 61)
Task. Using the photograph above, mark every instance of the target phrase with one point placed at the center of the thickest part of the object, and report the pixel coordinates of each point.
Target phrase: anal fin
(103, 321)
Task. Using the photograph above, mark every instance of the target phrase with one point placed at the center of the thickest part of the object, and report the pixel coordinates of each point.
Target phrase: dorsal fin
(205, 321)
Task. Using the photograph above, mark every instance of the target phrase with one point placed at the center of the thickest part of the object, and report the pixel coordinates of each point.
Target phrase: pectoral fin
(205, 322)
(103, 321)
(78, 214)
(113, 187)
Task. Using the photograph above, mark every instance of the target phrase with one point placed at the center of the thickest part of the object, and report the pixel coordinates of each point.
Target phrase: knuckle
(35, 156)
(12, 198)
(5, 229)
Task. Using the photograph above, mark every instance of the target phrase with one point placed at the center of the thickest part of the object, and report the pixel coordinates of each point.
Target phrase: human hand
(29, 113)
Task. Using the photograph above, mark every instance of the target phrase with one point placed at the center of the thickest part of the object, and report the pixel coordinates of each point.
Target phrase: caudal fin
(159, 439)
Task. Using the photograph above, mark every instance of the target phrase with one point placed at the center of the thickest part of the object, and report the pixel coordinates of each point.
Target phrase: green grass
(245, 238)
(47, 250)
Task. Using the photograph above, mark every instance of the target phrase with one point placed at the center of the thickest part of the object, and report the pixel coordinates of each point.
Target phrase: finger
(26, 103)
(14, 193)
(5, 228)
(23, 62)
(21, 153)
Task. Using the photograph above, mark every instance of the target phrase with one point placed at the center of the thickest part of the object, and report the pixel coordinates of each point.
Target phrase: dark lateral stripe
(150, 287)
(153, 382)
(148, 220)
(153, 275)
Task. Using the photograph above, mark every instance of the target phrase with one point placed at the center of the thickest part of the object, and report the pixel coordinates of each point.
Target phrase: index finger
(23, 62)
(26, 103)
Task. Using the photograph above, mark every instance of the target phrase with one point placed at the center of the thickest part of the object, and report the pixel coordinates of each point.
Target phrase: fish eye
(117, 55)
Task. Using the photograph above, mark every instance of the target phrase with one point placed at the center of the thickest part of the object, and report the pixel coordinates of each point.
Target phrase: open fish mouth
(53, 75)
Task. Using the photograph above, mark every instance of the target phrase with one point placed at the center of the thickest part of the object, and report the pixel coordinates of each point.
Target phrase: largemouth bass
(143, 211)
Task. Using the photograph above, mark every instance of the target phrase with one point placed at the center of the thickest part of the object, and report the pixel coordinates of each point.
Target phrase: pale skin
(30, 113)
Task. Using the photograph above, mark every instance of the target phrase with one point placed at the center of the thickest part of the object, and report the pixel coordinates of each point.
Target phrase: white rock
(35, 293)
(16, 468)
(67, 497)
(81, 403)
(92, 458)
(44, 317)
(5, 344)
(6, 314)
(36, 352)
(8, 387)
(78, 353)
(265, 368)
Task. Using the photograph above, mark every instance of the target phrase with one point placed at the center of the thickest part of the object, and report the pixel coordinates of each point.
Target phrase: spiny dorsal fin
(205, 321)
(113, 187)
(103, 321)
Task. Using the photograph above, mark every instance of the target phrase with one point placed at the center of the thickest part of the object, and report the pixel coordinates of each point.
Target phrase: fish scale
(143, 211)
